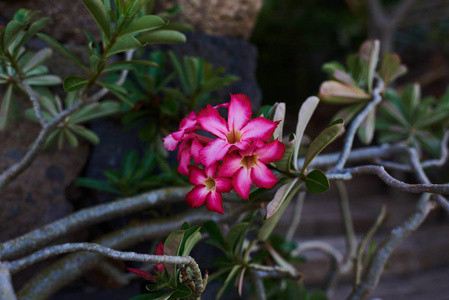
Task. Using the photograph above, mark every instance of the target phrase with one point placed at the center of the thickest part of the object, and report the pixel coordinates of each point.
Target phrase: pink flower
(190, 148)
(236, 133)
(248, 166)
(187, 125)
(159, 268)
(208, 188)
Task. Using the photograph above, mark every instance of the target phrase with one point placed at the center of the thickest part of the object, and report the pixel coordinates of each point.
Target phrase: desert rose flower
(237, 133)
(190, 148)
(208, 188)
(187, 125)
(249, 166)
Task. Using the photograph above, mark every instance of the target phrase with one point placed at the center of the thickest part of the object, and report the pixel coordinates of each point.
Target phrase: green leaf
(323, 139)
(124, 43)
(32, 30)
(97, 185)
(318, 295)
(154, 296)
(190, 239)
(73, 83)
(235, 237)
(73, 141)
(366, 129)
(390, 67)
(61, 49)
(162, 36)
(269, 224)
(11, 31)
(279, 197)
(182, 291)
(304, 115)
(144, 23)
(214, 231)
(369, 55)
(98, 11)
(128, 63)
(229, 280)
(172, 247)
(87, 134)
(44, 80)
(5, 108)
(316, 182)
(37, 59)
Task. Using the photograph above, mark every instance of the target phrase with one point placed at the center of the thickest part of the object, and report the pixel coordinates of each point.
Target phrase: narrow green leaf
(235, 237)
(171, 247)
(11, 31)
(124, 43)
(279, 197)
(87, 134)
(285, 163)
(98, 11)
(44, 80)
(304, 115)
(134, 62)
(97, 185)
(323, 139)
(73, 141)
(191, 238)
(390, 67)
(182, 291)
(214, 231)
(5, 108)
(269, 225)
(366, 129)
(61, 49)
(316, 182)
(73, 83)
(37, 59)
(31, 31)
(369, 55)
(144, 23)
(229, 280)
(161, 36)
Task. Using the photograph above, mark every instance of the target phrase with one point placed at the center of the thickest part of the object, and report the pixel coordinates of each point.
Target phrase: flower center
(234, 136)
(210, 184)
(249, 161)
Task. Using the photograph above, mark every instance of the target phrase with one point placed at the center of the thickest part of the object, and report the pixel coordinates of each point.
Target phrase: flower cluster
(235, 159)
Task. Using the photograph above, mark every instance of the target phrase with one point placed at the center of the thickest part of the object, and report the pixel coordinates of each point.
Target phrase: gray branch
(6, 288)
(377, 98)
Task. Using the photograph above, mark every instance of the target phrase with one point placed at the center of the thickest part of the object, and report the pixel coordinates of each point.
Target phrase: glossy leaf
(98, 11)
(336, 92)
(37, 59)
(182, 291)
(61, 49)
(279, 197)
(304, 115)
(73, 83)
(5, 108)
(316, 182)
(144, 23)
(12, 29)
(323, 139)
(124, 43)
(269, 224)
(162, 36)
(190, 239)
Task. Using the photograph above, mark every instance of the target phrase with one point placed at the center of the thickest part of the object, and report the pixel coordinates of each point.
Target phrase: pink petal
(270, 152)
(215, 202)
(242, 182)
(214, 151)
(170, 143)
(211, 170)
(160, 249)
(239, 111)
(259, 129)
(184, 158)
(211, 121)
(231, 164)
(189, 124)
(263, 177)
(196, 176)
(195, 151)
(197, 196)
(223, 184)
(142, 274)
(225, 105)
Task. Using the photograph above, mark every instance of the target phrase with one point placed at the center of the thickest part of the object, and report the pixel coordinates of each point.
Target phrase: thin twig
(292, 274)
(6, 288)
(296, 219)
(377, 98)
(259, 289)
(34, 98)
(358, 267)
(324, 247)
(347, 174)
(383, 252)
(351, 240)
